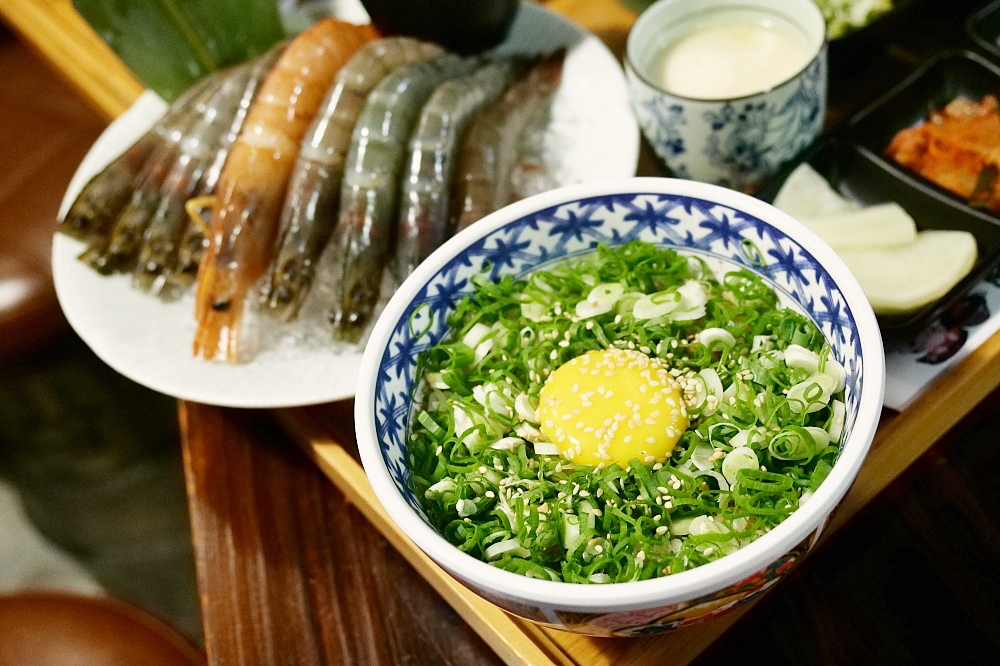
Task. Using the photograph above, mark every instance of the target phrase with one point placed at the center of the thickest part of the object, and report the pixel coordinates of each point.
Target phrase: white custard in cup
(730, 56)
(726, 91)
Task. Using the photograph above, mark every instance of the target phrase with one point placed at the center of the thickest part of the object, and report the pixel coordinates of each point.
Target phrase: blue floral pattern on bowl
(736, 143)
(691, 225)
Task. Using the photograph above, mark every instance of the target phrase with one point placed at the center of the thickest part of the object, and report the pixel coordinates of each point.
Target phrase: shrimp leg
(365, 228)
(251, 189)
(190, 176)
(119, 251)
(423, 215)
(90, 216)
(485, 162)
(310, 210)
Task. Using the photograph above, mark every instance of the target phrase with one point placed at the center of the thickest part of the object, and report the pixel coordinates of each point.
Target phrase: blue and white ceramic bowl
(716, 223)
(733, 142)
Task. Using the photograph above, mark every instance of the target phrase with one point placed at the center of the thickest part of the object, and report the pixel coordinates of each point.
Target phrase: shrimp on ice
(119, 251)
(488, 153)
(531, 174)
(244, 220)
(366, 224)
(423, 215)
(195, 174)
(194, 241)
(310, 210)
(93, 211)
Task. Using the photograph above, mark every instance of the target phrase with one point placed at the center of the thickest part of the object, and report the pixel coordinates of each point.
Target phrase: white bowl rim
(666, 590)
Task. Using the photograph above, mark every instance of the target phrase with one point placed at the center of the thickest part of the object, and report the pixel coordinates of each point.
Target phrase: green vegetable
(843, 16)
(494, 486)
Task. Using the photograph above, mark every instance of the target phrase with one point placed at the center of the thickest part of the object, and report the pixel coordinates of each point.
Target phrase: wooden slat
(57, 31)
(289, 573)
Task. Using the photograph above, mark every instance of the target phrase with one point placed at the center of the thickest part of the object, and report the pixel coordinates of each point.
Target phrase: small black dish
(854, 49)
(465, 26)
(983, 28)
(852, 171)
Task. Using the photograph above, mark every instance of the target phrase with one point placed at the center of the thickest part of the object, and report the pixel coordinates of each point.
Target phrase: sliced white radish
(903, 279)
(807, 194)
(884, 225)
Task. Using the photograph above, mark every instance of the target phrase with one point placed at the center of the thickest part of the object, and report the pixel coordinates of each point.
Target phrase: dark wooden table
(289, 572)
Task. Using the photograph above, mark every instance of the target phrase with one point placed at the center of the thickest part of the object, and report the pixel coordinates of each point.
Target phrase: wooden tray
(901, 439)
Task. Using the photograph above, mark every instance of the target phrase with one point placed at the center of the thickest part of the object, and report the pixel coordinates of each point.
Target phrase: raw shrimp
(195, 173)
(193, 243)
(157, 254)
(423, 215)
(530, 174)
(119, 251)
(365, 227)
(252, 185)
(99, 202)
(483, 170)
(310, 210)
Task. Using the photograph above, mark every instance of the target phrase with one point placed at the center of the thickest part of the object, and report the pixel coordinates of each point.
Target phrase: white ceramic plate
(150, 341)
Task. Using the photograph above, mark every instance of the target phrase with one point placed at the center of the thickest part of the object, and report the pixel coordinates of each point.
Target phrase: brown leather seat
(53, 629)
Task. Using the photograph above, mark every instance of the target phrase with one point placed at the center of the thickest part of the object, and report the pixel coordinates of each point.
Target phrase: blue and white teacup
(736, 142)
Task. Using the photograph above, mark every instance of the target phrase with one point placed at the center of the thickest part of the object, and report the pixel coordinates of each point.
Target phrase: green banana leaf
(169, 44)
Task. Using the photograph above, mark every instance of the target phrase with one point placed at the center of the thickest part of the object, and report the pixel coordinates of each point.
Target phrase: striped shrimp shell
(485, 162)
(121, 249)
(245, 217)
(366, 225)
(423, 215)
(310, 210)
(93, 211)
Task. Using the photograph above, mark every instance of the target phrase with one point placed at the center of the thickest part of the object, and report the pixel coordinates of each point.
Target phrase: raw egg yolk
(612, 406)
